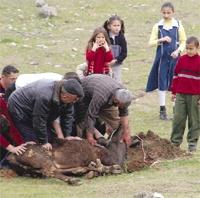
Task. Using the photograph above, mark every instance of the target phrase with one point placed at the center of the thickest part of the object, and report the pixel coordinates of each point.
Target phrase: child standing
(115, 28)
(98, 52)
(169, 36)
(186, 90)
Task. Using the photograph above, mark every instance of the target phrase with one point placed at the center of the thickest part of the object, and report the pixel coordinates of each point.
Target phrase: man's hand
(126, 137)
(47, 146)
(90, 138)
(29, 143)
(73, 138)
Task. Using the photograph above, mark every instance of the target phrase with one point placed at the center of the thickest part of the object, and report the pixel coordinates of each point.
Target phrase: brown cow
(72, 157)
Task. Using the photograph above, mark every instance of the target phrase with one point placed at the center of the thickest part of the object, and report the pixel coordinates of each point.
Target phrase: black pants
(29, 134)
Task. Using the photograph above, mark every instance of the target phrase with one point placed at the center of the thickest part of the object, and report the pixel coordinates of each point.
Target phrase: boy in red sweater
(186, 90)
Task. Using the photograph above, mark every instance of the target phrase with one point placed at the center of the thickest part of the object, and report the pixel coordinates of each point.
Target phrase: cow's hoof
(74, 181)
(116, 169)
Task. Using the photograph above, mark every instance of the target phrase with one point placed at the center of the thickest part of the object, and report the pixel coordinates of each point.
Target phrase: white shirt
(25, 79)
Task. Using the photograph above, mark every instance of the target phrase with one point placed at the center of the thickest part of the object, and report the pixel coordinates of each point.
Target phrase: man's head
(71, 75)
(71, 91)
(123, 98)
(8, 76)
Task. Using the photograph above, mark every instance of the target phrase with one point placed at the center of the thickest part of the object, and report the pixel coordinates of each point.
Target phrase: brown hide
(75, 155)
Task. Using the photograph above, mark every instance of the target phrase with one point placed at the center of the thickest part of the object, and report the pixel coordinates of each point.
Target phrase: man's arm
(93, 110)
(40, 115)
(126, 136)
(66, 120)
(57, 128)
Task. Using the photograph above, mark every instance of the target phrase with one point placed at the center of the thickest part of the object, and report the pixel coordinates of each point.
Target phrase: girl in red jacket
(186, 90)
(98, 52)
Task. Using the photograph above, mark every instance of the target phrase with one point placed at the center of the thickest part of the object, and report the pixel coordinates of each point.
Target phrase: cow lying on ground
(72, 157)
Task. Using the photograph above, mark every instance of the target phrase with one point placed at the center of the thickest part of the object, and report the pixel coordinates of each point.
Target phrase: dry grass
(25, 38)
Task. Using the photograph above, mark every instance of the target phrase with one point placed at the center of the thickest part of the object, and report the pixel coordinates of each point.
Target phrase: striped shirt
(99, 90)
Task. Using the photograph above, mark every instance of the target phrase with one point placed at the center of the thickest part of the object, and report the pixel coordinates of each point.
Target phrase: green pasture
(58, 44)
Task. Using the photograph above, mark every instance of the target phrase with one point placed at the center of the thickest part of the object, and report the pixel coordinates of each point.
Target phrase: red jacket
(186, 78)
(2, 90)
(13, 133)
(98, 61)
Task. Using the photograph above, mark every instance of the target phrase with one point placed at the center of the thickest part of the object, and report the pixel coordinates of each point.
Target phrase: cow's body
(71, 157)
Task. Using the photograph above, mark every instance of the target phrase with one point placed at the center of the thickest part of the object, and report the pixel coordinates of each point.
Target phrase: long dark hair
(111, 19)
(93, 37)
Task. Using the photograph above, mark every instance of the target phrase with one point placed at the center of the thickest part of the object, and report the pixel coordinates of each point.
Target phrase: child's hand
(175, 54)
(105, 45)
(173, 97)
(2, 95)
(95, 46)
(111, 63)
(16, 149)
(166, 39)
(199, 102)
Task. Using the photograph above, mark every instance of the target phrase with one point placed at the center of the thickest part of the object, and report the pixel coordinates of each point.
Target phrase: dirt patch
(7, 173)
(151, 149)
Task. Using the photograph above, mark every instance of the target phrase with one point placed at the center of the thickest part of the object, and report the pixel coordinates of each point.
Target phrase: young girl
(115, 28)
(98, 53)
(169, 36)
(186, 90)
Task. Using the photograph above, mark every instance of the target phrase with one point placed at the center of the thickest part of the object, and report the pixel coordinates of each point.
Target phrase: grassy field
(34, 45)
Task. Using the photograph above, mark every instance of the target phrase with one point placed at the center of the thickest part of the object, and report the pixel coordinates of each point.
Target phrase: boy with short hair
(186, 90)
(8, 76)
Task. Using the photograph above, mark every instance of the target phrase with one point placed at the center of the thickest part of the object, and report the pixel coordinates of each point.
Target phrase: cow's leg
(96, 169)
(70, 180)
(74, 171)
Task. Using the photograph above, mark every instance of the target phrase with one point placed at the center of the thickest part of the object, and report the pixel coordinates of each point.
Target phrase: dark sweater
(119, 47)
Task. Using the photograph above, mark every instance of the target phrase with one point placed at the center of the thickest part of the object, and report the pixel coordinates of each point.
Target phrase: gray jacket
(39, 103)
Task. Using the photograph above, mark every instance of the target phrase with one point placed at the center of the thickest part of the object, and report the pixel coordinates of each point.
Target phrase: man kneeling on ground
(36, 105)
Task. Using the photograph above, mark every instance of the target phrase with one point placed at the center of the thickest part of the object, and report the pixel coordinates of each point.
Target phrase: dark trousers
(186, 106)
(29, 134)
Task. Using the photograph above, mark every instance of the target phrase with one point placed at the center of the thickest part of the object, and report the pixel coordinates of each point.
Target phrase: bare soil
(151, 149)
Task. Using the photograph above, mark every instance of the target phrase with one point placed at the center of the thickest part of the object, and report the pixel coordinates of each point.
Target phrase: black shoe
(163, 115)
(192, 148)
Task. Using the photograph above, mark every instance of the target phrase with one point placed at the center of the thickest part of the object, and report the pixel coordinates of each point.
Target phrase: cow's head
(117, 147)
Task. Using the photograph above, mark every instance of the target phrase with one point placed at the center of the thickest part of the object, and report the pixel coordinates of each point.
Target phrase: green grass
(25, 37)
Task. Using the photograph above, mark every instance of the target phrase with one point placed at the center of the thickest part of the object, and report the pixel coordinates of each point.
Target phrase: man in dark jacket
(35, 106)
